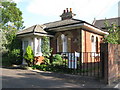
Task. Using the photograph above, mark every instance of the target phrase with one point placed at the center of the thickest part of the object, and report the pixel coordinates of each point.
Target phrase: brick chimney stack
(67, 14)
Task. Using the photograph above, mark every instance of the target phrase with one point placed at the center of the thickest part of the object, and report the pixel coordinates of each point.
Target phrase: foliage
(29, 56)
(54, 68)
(57, 59)
(46, 50)
(11, 45)
(10, 23)
(5, 60)
(113, 36)
(42, 67)
(11, 15)
(15, 56)
(3, 42)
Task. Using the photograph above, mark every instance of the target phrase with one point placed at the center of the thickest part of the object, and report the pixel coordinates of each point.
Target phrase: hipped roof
(33, 29)
(41, 29)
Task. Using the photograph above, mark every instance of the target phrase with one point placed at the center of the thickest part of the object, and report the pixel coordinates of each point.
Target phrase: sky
(45, 11)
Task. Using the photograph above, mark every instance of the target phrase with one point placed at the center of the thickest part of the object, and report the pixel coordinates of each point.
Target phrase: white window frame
(64, 42)
(57, 44)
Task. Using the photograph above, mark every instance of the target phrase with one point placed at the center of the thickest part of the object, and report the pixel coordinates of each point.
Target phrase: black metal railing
(82, 63)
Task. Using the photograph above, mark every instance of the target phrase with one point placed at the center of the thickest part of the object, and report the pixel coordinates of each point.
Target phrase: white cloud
(83, 8)
(54, 7)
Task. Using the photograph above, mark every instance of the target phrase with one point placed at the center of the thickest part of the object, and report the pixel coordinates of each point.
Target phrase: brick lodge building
(66, 35)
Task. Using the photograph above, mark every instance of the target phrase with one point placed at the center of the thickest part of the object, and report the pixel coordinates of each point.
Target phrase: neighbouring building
(101, 23)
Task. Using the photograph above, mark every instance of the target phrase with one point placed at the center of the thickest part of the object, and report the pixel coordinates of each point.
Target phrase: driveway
(18, 78)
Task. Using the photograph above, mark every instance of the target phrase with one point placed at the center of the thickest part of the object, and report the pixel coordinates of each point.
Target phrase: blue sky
(44, 11)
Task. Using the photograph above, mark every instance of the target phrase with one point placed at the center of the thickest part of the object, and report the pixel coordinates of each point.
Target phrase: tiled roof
(32, 29)
(62, 23)
(100, 23)
(45, 27)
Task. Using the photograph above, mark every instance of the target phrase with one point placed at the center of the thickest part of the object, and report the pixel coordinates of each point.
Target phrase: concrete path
(18, 78)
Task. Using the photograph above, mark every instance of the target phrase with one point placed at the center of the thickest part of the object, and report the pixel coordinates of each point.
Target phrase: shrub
(5, 60)
(15, 56)
(29, 56)
(57, 59)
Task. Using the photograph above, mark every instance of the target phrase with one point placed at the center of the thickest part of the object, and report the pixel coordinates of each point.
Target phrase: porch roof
(33, 29)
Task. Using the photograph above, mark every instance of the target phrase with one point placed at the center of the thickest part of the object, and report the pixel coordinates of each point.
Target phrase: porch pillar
(35, 46)
(23, 62)
(31, 43)
(23, 45)
(39, 46)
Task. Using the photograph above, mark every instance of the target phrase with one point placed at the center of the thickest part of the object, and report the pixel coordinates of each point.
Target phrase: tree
(113, 31)
(11, 15)
(10, 23)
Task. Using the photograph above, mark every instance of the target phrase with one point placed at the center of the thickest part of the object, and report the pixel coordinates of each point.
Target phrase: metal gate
(83, 63)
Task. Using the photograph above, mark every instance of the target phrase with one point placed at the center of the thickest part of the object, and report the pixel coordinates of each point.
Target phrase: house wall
(80, 40)
(74, 36)
(34, 42)
(53, 44)
(76, 40)
(87, 43)
(90, 47)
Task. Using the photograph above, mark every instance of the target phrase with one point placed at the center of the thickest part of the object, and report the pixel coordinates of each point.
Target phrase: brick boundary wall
(111, 60)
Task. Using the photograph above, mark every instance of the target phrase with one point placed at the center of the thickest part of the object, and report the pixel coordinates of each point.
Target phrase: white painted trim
(37, 34)
(95, 29)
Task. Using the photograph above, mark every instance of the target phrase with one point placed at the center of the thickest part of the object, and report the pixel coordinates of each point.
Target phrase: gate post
(104, 61)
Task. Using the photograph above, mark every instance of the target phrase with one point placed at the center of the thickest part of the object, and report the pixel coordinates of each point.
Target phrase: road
(18, 78)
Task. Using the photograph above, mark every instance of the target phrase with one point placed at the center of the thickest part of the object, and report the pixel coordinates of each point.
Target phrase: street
(18, 78)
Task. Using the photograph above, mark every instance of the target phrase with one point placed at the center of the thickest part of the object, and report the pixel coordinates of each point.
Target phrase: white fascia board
(25, 35)
(38, 34)
(33, 34)
(96, 30)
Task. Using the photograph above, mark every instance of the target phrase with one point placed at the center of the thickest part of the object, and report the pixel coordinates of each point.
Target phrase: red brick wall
(53, 44)
(75, 41)
(87, 46)
(86, 41)
(80, 41)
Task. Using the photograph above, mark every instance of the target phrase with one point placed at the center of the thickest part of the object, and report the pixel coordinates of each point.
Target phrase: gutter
(95, 29)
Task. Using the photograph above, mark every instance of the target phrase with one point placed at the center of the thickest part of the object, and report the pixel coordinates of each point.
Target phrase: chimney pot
(67, 9)
(64, 11)
(70, 9)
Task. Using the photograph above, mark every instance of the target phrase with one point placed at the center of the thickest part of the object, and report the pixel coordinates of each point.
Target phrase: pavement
(19, 78)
